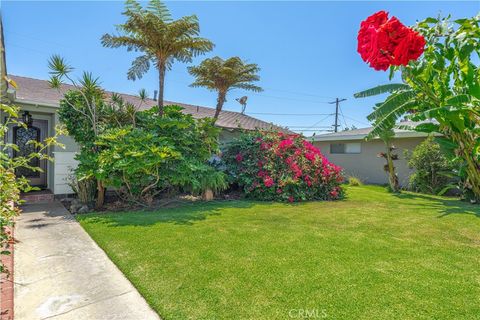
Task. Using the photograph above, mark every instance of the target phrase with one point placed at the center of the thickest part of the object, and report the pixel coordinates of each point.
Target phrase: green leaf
(459, 100)
(393, 102)
(387, 122)
(427, 127)
(386, 88)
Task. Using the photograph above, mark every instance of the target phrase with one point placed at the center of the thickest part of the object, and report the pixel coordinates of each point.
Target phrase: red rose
(239, 157)
(383, 42)
(291, 199)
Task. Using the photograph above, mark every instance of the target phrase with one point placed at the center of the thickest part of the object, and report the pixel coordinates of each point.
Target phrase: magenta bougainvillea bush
(282, 167)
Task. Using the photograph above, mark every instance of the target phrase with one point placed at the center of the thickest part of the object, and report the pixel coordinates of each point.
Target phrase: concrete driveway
(61, 273)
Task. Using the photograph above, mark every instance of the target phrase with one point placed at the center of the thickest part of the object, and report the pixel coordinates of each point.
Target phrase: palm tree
(221, 76)
(161, 40)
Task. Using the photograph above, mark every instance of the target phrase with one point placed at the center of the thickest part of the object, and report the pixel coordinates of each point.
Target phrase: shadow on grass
(186, 214)
(444, 206)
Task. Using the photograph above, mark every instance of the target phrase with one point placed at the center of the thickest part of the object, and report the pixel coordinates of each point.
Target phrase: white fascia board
(403, 134)
(37, 103)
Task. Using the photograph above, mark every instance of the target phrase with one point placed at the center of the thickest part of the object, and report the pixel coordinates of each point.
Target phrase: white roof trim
(37, 103)
(343, 137)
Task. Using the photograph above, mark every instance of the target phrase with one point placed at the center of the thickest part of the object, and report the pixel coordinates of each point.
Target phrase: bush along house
(39, 104)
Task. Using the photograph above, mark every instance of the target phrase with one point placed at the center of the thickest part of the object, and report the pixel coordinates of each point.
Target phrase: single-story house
(359, 158)
(37, 99)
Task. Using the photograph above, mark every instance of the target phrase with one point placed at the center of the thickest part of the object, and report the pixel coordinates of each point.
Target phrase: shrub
(281, 167)
(159, 154)
(354, 181)
(85, 189)
(430, 166)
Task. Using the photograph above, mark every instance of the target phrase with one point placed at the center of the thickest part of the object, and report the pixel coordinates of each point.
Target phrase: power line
(286, 98)
(344, 121)
(292, 114)
(313, 125)
(299, 127)
(299, 93)
(364, 123)
(315, 130)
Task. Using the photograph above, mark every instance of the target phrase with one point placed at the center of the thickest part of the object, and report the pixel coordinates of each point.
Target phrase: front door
(21, 136)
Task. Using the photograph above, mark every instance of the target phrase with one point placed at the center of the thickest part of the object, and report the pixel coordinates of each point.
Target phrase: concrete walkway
(61, 273)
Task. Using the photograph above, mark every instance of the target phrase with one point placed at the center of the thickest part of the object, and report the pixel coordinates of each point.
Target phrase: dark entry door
(21, 136)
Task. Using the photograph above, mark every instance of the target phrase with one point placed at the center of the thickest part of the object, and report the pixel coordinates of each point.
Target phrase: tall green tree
(161, 40)
(221, 76)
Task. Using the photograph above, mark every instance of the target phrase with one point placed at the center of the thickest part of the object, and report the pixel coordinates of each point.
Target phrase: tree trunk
(392, 177)
(161, 85)
(466, 151)
(100, 195)
(220, 102)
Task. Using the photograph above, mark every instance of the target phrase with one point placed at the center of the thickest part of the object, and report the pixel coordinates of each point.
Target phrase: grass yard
(371, 256)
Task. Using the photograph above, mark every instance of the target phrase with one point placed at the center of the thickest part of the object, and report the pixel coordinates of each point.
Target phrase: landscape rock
(83, 209)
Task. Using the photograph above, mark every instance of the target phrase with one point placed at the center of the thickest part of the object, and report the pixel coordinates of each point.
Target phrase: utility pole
(337, 105)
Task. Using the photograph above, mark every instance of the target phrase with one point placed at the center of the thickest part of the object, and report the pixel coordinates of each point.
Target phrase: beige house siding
(366, 165)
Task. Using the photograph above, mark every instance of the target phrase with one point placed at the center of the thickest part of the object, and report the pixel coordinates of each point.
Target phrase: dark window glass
(337, 148)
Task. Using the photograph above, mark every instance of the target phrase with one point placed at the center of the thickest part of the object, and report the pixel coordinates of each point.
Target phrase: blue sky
(307, 50)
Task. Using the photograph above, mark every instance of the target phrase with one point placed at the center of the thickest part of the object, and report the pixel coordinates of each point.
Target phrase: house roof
(39, 92)
(361, 134)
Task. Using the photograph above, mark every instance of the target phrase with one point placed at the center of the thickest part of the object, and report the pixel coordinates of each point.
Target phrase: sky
(306, 51)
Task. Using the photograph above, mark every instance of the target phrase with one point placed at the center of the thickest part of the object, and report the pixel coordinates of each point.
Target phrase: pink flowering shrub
(282, 167)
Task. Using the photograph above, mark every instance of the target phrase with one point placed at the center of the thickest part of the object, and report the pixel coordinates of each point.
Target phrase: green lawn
(371, 256)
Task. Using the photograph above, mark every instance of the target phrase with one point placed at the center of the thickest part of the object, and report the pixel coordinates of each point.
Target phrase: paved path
(61, 273)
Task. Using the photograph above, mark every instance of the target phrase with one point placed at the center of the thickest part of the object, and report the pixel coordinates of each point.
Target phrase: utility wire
(341, 112)
(286, 98)
(364, 123)
(299, 93)
(291, 114)
(299, 127)
(313, 125)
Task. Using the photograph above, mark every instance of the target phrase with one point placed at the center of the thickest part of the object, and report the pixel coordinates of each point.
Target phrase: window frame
(345, 147)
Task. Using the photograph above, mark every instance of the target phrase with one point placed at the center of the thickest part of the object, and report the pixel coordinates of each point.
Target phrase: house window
(341, 148)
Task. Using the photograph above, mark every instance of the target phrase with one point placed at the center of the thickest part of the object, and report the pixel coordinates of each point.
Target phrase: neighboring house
(42, 102)
(359, 158)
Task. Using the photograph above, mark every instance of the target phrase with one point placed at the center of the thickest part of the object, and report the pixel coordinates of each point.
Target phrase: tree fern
(221, 76)
(152, 31)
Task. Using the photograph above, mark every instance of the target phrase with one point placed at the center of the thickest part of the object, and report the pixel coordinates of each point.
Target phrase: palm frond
(249, 87)
(111, 41)
(392, 102)
(160, 10)
(139, 67)
(387, 121)
(386, 88)
(132, 6)
(143, 94)
(458, 100)
(58, 66)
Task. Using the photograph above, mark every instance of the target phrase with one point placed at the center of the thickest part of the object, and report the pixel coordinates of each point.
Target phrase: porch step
(41, 196)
